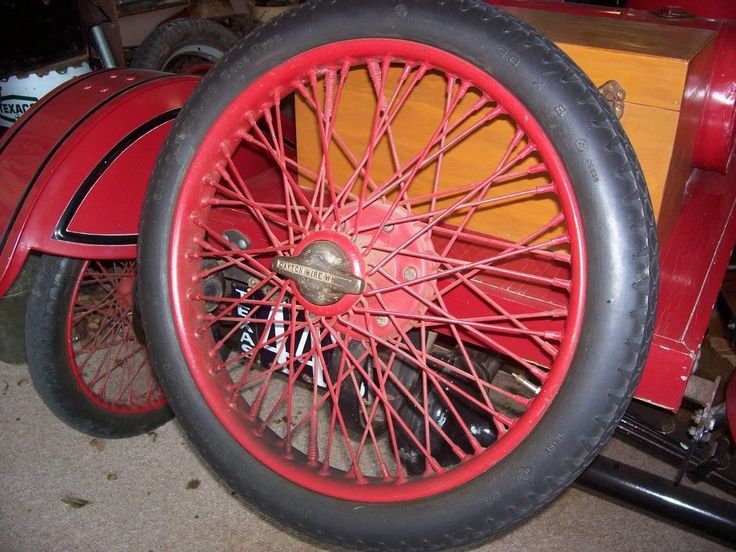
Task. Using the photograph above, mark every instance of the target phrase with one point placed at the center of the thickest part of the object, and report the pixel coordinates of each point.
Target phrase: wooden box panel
(471, 161)
(664, 70)
(656, 64)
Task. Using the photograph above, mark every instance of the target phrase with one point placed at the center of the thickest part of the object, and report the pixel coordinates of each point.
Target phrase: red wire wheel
(85, 348)
(432, 274)
(373, 277)
(107, 356)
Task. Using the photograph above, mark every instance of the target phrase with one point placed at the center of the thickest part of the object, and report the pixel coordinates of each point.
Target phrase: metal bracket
(702, 391)
(615, 95)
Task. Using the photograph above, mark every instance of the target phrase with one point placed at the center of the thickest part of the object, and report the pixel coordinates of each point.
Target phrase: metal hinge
(615, 95)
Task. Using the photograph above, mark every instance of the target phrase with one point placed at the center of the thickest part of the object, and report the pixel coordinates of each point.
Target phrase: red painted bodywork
(75, 168)
(716, 139)
(693, 262)
(60, 154)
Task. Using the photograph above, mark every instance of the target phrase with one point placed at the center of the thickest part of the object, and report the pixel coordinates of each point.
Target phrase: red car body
(75, 168)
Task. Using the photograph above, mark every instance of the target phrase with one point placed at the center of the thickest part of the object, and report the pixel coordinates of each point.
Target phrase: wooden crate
(661, 67)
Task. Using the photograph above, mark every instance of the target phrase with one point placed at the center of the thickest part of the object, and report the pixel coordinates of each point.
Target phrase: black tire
(179, 44)
(621, 293)
(52, 366)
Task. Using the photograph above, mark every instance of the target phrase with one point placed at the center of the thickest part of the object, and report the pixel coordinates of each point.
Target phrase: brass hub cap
(326, 273)
(321, 273)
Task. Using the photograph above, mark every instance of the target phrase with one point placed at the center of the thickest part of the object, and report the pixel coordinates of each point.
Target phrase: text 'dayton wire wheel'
(86, 351)
(399, 293)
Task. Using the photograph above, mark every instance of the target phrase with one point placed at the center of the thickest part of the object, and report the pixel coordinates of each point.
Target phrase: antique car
(400, 266)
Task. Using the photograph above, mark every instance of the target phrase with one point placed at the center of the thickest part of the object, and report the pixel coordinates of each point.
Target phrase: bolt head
(236, 238)
(410, 273)
(382, 321)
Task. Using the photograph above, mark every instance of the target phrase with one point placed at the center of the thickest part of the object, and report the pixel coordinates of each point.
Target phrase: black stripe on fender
(63, 139)
(62, 231)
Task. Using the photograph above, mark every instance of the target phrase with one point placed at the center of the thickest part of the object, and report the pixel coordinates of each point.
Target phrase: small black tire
(172, 44)
(52, 369)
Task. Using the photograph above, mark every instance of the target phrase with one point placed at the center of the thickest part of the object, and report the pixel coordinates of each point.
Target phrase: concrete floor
(153, 493)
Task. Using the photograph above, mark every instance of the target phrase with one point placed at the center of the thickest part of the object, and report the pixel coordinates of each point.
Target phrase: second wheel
(86, 351)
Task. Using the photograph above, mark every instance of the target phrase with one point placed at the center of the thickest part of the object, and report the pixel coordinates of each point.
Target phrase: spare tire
(184, 46)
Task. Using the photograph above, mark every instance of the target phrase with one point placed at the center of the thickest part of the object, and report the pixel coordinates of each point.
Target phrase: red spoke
(463, 88)
(391, 414)
(255, 208)
(419, 162)
(483, 338)
(233, 257)
(109, 363)
(484, 264)
(449, 211)
(282, 166)
(390, 113)
(441, 214)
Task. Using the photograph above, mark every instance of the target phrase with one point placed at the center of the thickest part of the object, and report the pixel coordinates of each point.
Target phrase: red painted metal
(112, 205)
(693, 264)
(716, 137)
(40, 130)
(37, 106)
(194, 238)
(57, 156)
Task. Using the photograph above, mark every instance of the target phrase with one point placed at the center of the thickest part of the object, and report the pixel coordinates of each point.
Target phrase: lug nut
(410, 273)
(236, 238)
(382, 321)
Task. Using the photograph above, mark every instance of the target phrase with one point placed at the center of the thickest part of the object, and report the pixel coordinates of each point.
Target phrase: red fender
(74, 169)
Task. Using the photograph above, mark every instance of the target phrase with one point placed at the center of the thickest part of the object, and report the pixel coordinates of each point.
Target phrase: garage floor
(153, 493)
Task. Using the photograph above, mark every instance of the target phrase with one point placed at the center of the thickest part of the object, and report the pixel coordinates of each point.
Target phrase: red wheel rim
(106, 356)
(430, 275)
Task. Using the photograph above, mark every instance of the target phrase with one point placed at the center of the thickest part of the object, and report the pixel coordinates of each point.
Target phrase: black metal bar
(696, 511)
(638, 431)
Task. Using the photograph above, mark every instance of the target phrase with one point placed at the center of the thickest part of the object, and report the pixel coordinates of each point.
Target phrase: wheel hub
(409, 249)
(331, 271)
(321, 273)
(327, 271)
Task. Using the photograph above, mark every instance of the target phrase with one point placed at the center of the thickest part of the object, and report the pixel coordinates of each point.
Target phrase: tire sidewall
(174, 35)
(49, 303)
(621, 273)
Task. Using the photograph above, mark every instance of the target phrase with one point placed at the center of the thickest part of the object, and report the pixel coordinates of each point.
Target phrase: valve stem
(526, 383)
